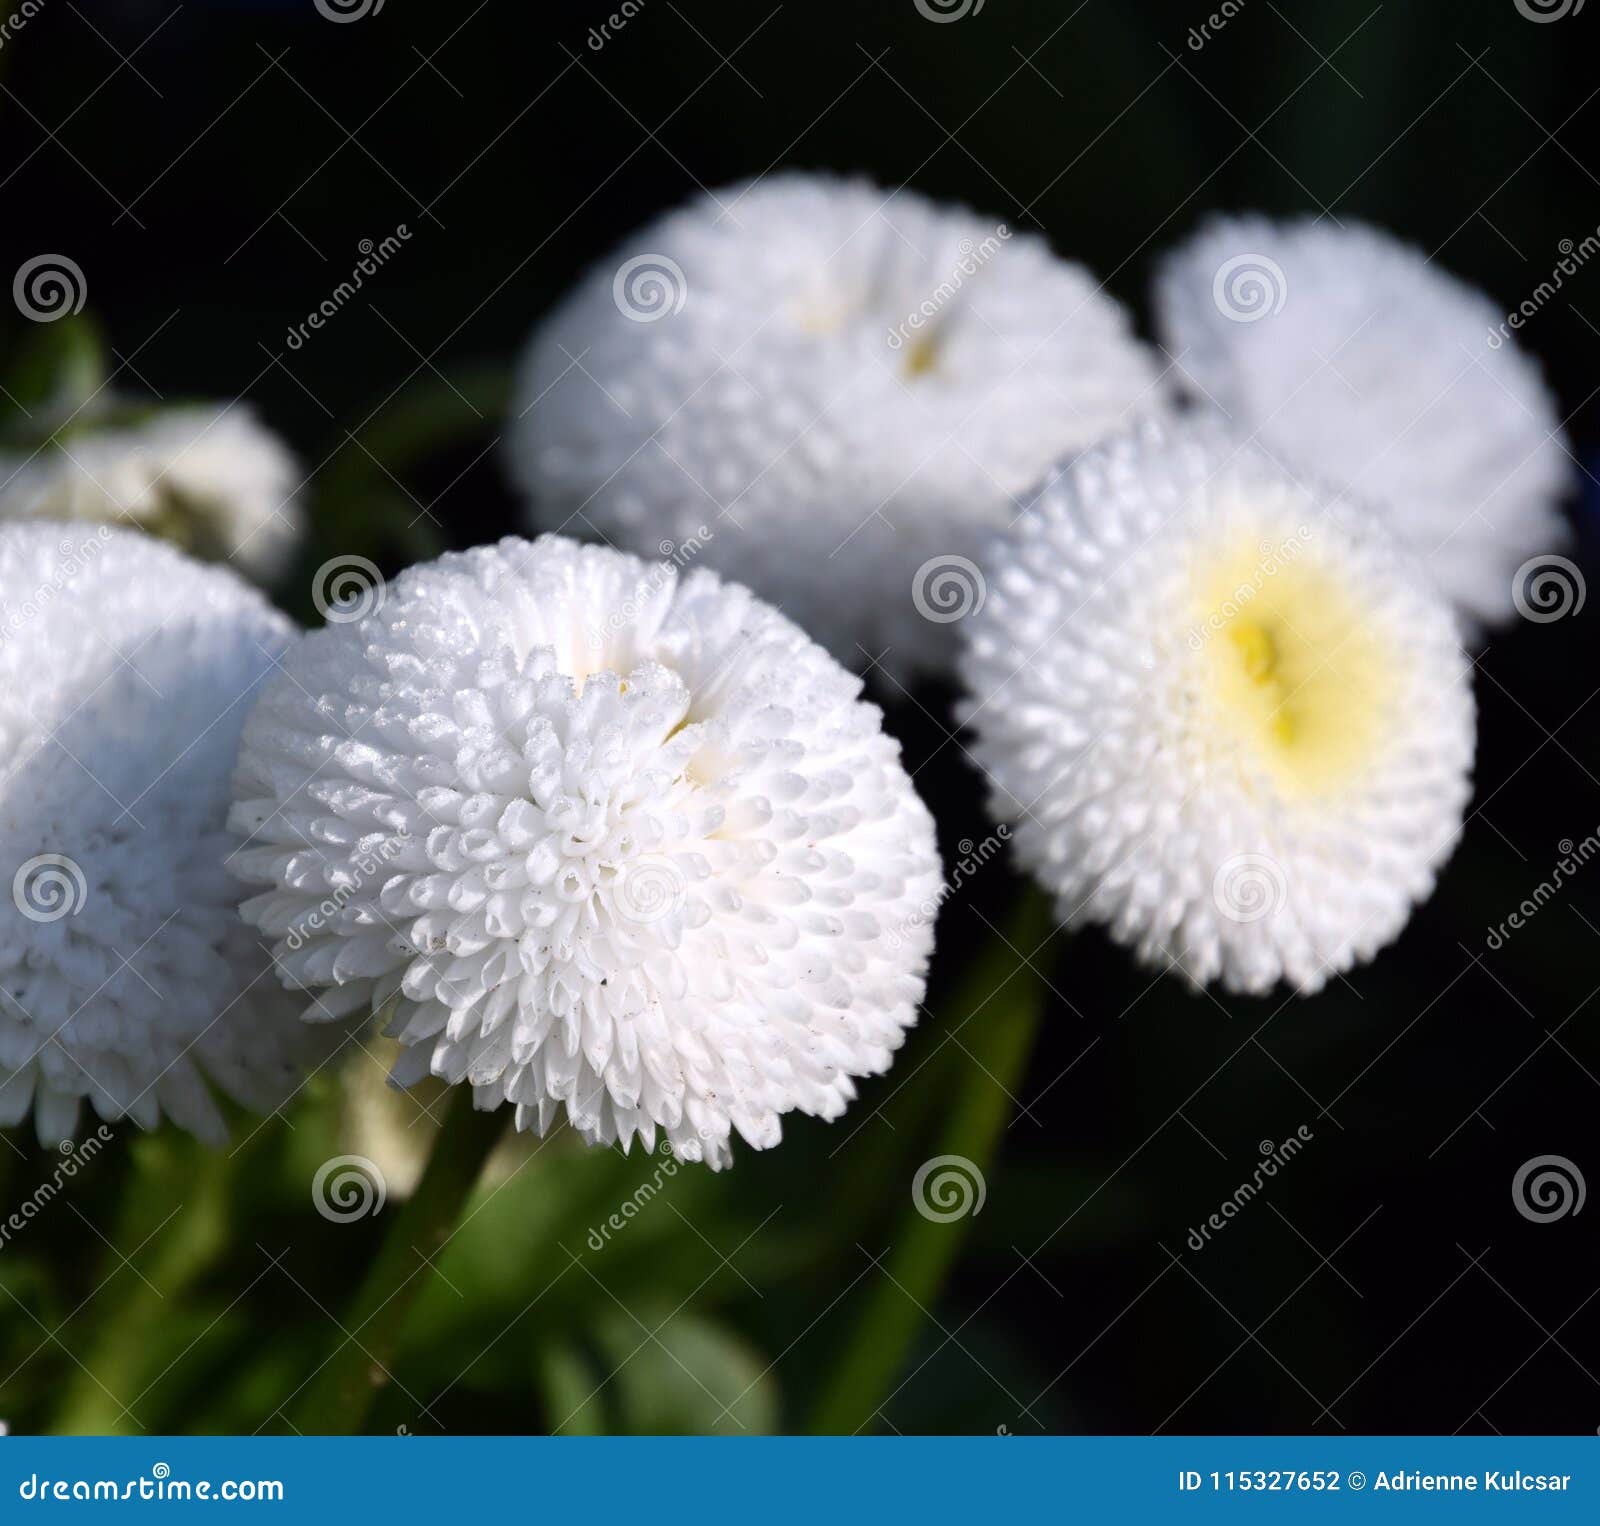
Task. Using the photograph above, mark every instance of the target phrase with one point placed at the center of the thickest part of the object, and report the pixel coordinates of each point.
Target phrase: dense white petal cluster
(831, 391)
(1228, 716)
(1349, 354)
(126, 976)
(611, 841)
(213, 480)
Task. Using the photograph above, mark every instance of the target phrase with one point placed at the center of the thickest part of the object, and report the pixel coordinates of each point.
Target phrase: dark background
(213, 168)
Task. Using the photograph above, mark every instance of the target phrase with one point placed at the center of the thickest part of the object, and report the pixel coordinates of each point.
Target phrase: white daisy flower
(828, 391)
(126, 976)
(211, 479)
(1229, 718)
(611, 842)
(1348, 354)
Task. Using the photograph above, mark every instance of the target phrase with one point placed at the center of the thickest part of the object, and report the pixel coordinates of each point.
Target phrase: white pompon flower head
(831, 391)
(211, 479)
(126, 975)
(613, 842)
(1350, 355)
(1227, 714)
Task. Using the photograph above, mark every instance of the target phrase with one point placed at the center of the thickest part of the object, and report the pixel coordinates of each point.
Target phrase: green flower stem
(342, 1393)
(1003, 997)
(107, 1375)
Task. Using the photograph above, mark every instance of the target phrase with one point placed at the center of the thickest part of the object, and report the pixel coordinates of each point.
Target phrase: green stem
(999, 1038)
(107, 1377)
(343, 1391)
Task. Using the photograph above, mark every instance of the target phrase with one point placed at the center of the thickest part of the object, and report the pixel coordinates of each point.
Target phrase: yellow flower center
(921, 355)
(1295, 674)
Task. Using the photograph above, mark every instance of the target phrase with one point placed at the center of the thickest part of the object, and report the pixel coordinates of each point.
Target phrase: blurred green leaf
(682, 1375)
(54, 371)
(570, 1388)
(363, 493)
(173, 1224)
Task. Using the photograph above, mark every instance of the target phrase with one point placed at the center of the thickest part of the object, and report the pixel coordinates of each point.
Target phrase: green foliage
(53, 371)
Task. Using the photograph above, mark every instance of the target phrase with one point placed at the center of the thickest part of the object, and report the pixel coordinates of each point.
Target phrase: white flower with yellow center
(126, 976)
(1349, 354)
(1228, 717)
(828, 391)
(211, 479)
(613, 844)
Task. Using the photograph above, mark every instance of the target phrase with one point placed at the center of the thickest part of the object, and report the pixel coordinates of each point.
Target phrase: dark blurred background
(213, 168)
